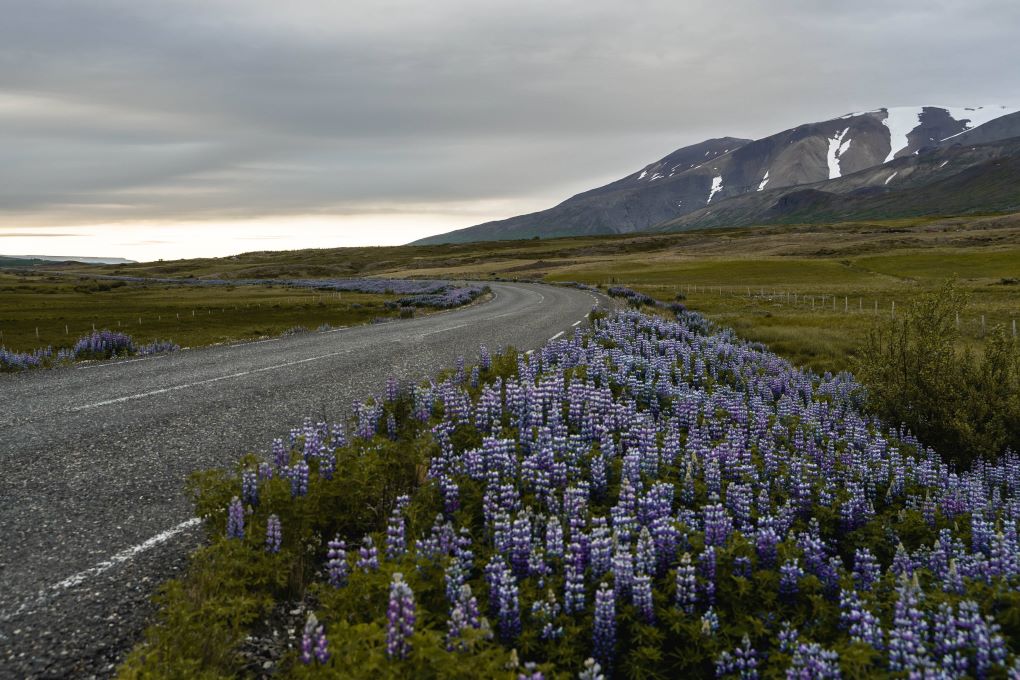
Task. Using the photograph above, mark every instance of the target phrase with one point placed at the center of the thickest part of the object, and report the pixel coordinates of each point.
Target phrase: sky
(178, 128)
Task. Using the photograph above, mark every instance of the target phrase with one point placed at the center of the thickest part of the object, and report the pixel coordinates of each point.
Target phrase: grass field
(771, 284)
(42, 310)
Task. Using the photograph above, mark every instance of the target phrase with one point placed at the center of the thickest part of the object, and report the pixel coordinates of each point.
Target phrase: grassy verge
(47, 310)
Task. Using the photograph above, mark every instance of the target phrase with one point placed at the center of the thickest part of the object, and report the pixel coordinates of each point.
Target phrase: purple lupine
(813, 662)
(604, 630)
(392, 389)
(484, 358)
(718, 524)
(710, 622)
(545, 611)
(707, 568)
(686, 585)
(368, 555)
(765, 541)
(642, 596)
(790, 574)
(274, 534)
(400, 618)
(520, 539)
(907, 649)
(337, 566)
(508, 606)
(862, 625)
(235, 519)
(299, 479)
(866, 570)
(314, 646)
(741, 663)
(250, 487)
(396, 539)
(573, 581)
(281, 456)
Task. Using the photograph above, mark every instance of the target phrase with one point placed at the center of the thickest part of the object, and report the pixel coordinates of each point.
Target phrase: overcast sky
(187, 127)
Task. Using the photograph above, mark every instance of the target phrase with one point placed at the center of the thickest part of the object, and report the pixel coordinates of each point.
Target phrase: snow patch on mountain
(901, 121)
(837, 147)
(764, 181)
(716, 188)
(977, 115)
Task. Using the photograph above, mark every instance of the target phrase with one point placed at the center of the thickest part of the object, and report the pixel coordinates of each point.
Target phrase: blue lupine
(337, 566)
(314, 646)
(396, 540)
(400, 618)
(686, 585)
(368, 555)
(813, 662)
(741, 663)
(250, 488)
(604, 630)
(790, 574)
(235, 519)
(274, 534)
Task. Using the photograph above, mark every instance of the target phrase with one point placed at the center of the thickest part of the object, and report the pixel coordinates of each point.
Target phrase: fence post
(894, 309)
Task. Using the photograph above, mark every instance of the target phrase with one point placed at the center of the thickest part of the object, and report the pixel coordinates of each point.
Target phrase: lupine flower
(274, 534)
(686, 585)
(866, 570)
(545, 612)
(813, 662)
(396, 541)
(235, 519)
(604, 631)
(314, 646)
(907, 650)
(642, 594)
(591, 671)
(742, 662)
(709, 622)
(790, 575)
(337, 565)
(299, 479)
(368, 555)
(400, 617)
(250, 488)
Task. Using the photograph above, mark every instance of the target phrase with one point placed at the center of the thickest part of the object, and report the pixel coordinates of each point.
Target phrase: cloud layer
(211, 110)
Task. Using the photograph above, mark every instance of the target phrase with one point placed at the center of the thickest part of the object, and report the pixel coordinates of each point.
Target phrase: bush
(917, 374)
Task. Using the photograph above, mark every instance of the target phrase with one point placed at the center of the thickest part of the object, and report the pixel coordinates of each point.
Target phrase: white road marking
(105, 565)
(240, 374)
(556, 336)
(107, 364)
(576, 323)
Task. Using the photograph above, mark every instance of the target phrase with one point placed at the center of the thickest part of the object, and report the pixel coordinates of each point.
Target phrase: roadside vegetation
(39, 311)
(650, 498)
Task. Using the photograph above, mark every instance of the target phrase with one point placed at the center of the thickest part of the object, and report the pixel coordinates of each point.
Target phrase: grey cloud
(194, 109)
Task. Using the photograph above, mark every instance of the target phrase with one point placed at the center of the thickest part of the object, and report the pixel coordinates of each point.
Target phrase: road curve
(93, 458)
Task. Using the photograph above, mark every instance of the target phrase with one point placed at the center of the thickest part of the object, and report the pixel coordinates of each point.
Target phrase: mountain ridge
(715, 171)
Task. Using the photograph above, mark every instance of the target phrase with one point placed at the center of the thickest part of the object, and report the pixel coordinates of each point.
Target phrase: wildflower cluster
(656, 498)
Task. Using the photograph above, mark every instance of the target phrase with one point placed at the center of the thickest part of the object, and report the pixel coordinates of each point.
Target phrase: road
(93, 514)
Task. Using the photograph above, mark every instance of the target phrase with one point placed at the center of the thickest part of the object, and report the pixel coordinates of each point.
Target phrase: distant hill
(37, 260)
(706, 176)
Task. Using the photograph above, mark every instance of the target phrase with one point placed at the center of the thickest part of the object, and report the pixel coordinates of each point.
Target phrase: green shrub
(916, 374)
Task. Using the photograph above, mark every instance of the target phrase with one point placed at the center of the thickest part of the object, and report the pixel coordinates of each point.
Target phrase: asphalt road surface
(93, 459)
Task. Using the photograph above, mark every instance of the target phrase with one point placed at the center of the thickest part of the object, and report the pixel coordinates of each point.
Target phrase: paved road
(92, 459)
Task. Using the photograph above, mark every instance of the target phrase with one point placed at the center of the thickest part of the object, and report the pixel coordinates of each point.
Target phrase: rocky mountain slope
(700, 180)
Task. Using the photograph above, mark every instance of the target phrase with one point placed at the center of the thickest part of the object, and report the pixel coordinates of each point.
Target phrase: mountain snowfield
(697, 178)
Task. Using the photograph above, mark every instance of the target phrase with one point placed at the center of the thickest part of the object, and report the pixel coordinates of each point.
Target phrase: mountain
(702, 176)
(954, 180)
(24, 260)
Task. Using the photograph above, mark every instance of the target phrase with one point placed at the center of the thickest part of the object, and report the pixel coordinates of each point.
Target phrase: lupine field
(651, 498)
(104, 344)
